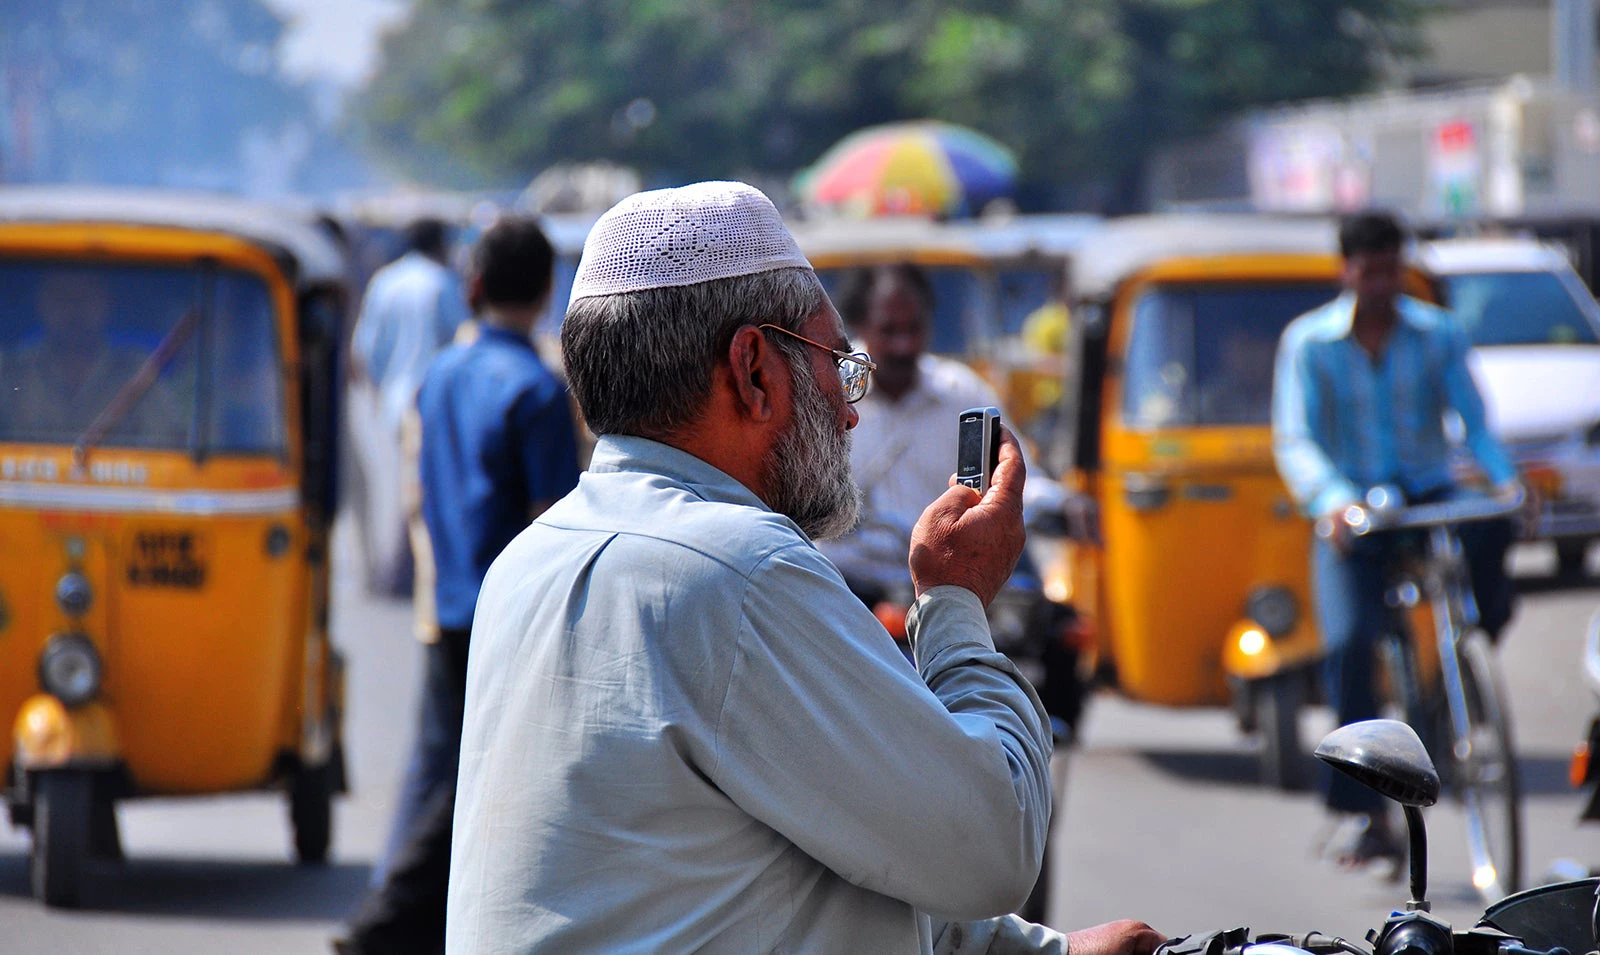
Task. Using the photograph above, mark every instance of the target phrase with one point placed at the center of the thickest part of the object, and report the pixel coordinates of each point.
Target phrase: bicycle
(1459, 709)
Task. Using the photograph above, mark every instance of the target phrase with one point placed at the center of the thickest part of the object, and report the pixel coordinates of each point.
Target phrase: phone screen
(969, 450)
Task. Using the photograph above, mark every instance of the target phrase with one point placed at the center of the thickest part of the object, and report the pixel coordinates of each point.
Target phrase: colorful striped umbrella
(914, 168)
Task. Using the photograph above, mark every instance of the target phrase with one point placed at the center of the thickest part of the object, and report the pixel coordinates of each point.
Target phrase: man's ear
(754, 366)
(475, 294)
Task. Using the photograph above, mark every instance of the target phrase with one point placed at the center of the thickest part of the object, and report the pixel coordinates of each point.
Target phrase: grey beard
(808, 473)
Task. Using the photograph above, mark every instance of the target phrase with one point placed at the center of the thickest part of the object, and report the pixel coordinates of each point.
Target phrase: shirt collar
(1340, 314)
(625, 452)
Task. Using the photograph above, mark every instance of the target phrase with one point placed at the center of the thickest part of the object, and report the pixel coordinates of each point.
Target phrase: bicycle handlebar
(1383, 513)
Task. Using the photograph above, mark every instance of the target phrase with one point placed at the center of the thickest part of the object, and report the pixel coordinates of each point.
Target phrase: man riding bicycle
(1361, 390)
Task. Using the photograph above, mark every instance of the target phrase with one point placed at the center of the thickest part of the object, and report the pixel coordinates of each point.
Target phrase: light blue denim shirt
(684, 734)
(1343, 422)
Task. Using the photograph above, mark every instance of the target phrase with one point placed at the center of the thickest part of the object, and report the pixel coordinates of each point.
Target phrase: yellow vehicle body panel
(1176, 576)
(205, 601)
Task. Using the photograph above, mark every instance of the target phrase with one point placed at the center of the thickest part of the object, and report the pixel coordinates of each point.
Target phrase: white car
(1535, 330)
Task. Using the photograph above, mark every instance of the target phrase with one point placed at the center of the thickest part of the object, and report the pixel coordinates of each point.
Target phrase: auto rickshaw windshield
(1203, 354)
(73, 335)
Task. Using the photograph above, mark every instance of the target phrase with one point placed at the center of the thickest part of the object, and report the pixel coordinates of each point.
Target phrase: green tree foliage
(1082, 89)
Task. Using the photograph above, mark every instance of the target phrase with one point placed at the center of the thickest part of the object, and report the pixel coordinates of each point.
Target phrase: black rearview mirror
(1387, 756)
(1384, 755)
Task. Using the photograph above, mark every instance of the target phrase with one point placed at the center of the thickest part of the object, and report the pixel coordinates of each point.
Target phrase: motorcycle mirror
(1384, 755)
(1387, 756)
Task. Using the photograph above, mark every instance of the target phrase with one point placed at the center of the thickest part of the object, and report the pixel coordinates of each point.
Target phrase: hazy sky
(334, 39)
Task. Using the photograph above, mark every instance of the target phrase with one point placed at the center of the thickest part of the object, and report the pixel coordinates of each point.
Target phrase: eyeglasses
(854, 367)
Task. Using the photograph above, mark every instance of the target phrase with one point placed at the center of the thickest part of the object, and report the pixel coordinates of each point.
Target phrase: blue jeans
(1348, 591)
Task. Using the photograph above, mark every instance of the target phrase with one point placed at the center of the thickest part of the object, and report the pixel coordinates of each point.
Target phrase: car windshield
(963, 306)
(1203, 354)
(1519, 308)
(73, 335)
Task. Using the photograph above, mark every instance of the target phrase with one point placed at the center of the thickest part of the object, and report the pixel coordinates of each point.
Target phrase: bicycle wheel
(1485, 774)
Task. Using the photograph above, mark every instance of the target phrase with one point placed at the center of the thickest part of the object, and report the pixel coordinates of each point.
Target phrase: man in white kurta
(682, 731)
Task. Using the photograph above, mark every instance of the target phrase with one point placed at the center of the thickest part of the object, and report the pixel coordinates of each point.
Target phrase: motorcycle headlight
(69, 669)
(1275, 609)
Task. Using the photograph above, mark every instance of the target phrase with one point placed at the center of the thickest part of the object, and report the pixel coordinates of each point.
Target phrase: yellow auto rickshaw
(1197, 590)
(167, 425)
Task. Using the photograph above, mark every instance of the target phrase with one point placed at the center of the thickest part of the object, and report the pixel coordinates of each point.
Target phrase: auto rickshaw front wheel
(311, 792)
(1278, 700)
(63, 801)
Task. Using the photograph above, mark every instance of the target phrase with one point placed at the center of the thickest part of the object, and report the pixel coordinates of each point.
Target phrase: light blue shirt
(684, 734)
(1343, 422)
(411, 309)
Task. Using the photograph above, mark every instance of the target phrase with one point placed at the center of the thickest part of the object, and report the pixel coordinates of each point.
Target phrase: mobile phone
(978, 448)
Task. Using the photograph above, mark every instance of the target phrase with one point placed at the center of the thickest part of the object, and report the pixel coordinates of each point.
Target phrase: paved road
(1160, 820)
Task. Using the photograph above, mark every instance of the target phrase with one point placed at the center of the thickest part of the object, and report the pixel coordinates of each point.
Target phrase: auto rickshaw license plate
(168, 558)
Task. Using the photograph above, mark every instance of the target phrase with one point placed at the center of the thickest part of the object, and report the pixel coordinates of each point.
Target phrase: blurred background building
(1499, 117)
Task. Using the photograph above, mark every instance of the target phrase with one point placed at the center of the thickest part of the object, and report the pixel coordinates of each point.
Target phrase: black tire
(1279, 699)
(62, 804)
(1572, 559)
(1485, 774)
(311, 812)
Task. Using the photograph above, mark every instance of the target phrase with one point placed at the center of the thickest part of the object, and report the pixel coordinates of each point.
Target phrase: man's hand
(1127, 937)
(973, 542)
(1333, 529)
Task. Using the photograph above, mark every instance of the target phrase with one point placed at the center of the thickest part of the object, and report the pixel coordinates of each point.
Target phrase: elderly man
(682, 731)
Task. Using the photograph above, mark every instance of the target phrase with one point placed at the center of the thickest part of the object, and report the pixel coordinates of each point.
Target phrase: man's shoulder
(1425, 316)
(668, 523)
(1323, 323)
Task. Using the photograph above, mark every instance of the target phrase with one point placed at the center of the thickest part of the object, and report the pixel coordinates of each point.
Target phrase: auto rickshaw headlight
(73, 594)
(1275, 609)
(69, 669)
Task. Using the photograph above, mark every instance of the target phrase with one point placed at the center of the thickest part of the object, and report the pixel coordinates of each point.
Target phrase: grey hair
(641, 363)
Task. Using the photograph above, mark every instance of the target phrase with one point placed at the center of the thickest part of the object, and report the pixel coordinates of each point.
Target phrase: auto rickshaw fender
(1250, 654)
(49, 735)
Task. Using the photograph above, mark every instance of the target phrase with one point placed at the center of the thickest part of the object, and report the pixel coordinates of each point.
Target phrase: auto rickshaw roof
(863, 241)
(1121, 247)
(932, 242)
(280, 231)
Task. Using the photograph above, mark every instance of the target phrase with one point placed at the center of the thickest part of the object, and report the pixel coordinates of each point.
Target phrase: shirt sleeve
(1312, 478)
(548, 443)
(1462, 394)
(1006, 935)
(935, 791)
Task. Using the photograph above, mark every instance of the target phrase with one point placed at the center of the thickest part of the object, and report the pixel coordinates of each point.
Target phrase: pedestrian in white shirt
(905, 445)
(683, 733)
(411, 309)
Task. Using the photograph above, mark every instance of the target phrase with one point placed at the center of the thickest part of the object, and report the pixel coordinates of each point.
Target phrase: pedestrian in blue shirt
(498, 447)
(1361, 389)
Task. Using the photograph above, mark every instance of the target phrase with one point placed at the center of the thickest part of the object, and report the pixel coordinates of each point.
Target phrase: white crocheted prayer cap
(695, 233)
